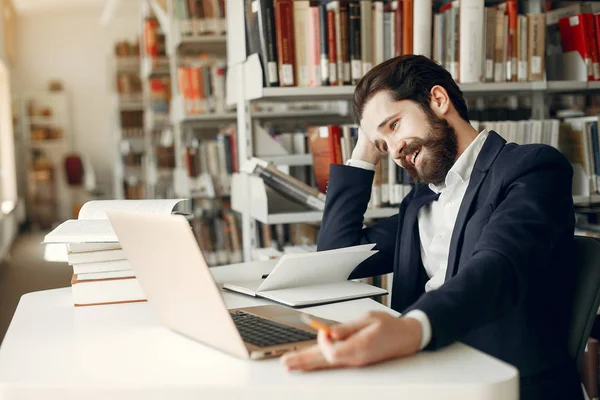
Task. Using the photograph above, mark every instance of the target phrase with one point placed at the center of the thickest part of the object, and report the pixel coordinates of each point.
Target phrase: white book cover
(94, 276)
(422, 18)
(96, 256)
(93, 226)
(471, 25)
(103, 266)
(311, 278)
(109, 291)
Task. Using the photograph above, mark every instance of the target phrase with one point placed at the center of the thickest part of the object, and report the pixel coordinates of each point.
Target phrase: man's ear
(439, 101)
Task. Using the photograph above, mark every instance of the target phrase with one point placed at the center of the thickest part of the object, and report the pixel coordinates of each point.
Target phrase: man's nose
(395, 148)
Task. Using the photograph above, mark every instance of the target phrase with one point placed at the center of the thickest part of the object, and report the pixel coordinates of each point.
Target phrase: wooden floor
(26, 271)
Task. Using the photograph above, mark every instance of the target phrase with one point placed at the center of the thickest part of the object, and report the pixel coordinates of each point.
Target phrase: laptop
(176, 280)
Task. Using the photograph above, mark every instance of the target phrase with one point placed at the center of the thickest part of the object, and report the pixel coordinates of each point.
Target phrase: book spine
(471, 21)
(288, 190)
(308, 190)
(398, 28)
(313, 47)
(355, 41)
(324, 44)
(522, 66)
(300, 39)
(366, 32)
(407, 26)
(590, 34)
(331, 47)
(378, 32)
(422, 26)
(536, 36)
(284, 29)
(344, 29)
(266, 20)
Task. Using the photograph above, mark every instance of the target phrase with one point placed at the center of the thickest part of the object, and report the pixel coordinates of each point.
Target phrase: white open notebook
(299, 280)
(92, 224)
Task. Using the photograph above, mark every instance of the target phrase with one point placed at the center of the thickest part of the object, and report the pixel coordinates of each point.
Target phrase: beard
(442, 148)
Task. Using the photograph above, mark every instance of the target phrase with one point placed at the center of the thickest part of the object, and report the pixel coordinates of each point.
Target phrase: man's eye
(394, 124)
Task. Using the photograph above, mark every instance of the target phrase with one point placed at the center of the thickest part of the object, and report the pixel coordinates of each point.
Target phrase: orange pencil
(313, 323)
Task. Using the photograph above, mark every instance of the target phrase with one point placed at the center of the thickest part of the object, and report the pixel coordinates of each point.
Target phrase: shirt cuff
(425, 326)
(361, 164)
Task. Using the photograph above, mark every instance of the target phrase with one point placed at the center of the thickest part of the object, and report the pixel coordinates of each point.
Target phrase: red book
(284, 37)
(597, 27)
(591, 33)
(511, 9)
(398, 30)
(576, 53)
(326, 150)
(407, 26)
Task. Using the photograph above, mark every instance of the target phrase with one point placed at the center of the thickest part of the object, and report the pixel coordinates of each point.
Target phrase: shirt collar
(462, 168)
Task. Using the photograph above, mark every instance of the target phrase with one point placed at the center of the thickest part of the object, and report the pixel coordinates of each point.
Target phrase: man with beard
(481, 248)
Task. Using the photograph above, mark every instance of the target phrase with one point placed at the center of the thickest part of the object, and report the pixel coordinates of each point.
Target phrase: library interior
(124, 121)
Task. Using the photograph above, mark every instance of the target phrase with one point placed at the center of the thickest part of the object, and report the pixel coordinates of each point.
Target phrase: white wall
(72, 46)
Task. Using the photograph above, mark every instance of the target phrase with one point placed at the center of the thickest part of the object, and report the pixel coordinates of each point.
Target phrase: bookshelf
(244, 90)
(47, 137)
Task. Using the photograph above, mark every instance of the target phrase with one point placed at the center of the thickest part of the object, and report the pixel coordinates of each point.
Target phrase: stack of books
(101, 272)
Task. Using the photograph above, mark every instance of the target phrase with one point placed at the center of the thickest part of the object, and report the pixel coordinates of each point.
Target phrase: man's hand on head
(375, 337)
(365, 150)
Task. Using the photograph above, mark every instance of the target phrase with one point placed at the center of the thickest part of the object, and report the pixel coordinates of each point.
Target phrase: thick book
(286, 185)
(304, 279)
(106, 291)
(95, 256)
(102, 266)
(93, 226)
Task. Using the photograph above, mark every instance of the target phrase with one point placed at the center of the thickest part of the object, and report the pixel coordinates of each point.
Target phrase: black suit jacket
(509, 281)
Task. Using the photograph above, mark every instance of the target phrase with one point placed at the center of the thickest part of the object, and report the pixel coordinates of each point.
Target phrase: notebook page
(295, 270)
(82, 231)
(96, 209)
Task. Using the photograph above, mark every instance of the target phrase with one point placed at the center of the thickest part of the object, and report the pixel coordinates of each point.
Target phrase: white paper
(96, 209)
(82, 231)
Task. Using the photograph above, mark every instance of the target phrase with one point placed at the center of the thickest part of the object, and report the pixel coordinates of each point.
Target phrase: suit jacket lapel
(492, 146)
(408, 256)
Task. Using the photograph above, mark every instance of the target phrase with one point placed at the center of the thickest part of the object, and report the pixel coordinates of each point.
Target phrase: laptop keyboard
(263, 332)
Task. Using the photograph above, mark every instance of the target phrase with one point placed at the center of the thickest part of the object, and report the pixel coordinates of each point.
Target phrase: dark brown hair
(408, 77)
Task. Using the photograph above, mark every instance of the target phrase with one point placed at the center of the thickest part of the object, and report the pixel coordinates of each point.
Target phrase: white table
(53, 350)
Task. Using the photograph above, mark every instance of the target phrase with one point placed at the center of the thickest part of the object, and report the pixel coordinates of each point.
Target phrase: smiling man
(481, 248)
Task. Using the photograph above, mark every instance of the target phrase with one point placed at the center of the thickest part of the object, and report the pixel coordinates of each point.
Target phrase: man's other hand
(375, 337)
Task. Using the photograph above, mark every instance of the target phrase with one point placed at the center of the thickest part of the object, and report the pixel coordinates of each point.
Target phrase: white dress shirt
(436, 222)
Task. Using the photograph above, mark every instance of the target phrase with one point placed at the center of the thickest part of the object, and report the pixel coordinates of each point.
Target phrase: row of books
(160, 94)
(577, 138)
(154, 39)
(493, 43)
(213, 158)
(337, 42)
(201, 17)
(201, 82)
(219, 236)
(132, 123)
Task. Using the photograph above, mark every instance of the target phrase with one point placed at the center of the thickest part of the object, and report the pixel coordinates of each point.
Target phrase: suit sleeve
(348, 195)
(535, 213)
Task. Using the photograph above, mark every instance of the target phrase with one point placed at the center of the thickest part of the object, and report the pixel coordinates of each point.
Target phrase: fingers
(306, 360)
(343, 331)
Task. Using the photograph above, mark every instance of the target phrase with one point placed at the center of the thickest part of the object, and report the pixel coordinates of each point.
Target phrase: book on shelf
(286, 185)
(218, 234)
(200, 17)
(211, 162)
(573, 49)
(301, 279)
(304, 43)
(201, 83)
